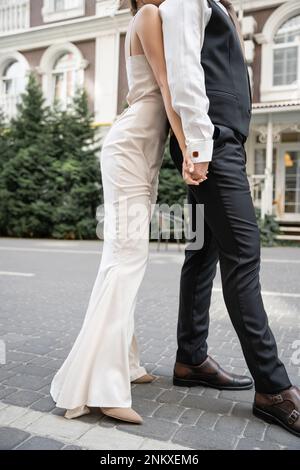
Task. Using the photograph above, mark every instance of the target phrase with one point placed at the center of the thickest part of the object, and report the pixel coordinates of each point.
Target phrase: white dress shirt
(184, 23)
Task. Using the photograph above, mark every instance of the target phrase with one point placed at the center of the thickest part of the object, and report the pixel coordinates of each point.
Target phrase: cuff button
(195, 154)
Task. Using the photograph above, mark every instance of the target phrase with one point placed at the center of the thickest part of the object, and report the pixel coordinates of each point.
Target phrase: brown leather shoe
(209, 374)
(282, 409)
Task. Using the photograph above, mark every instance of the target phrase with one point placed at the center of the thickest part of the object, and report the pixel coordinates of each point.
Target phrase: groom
(210, 90)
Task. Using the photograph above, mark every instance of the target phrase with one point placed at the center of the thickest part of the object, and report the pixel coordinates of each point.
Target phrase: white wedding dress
(105, 359)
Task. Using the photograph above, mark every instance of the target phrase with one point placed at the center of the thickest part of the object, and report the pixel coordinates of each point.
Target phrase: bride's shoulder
(148, 11)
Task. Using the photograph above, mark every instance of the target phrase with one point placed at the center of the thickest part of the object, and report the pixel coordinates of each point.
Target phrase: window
(13, 84)
(286, 58)
(62, 68)
(59, 5)
(58, 10)
(65, 78)
(260, 165)
(292, 181)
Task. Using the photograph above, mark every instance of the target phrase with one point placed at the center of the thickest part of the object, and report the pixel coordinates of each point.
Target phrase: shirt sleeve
(184, 24)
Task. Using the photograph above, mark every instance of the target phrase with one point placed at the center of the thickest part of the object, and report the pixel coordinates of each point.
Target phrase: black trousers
(231, 235)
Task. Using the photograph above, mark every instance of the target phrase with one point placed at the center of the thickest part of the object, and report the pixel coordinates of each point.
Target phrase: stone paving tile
(20, 357)
(146, 391)
(28, 382)
(10, 437)
(43, 404)
(170, 412)
(5, 374)
(41, 443)
(240, 396)
(148, 444)
(153, 428)
(252, 444)
(35, 348)
(231, 424)
(72, 448)
(22, 398)
(190, 416)
(164, 382)
(163, 370)
(6, 391)
(59, 427)
(243, 410)
(207, 404)
(171, 396)
(255, 429)
(8, 414)
(25, 420)
(107, 422)
(53, 364)
(40, 361)
(207, 420)
(98, 438)
(33, 369)
(279, 435)
(58, 412)
(200, 438)
(145, 407)
(95, 417)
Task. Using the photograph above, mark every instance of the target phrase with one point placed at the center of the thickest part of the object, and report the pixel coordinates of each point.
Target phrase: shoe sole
(200, 383)
(142, 382)
(268, 418)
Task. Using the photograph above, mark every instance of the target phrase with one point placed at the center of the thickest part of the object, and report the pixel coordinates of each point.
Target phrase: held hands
(193, 173)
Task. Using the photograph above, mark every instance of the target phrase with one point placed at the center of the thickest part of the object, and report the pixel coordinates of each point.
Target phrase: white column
(250, 150)
(268, 190)
(107, 75)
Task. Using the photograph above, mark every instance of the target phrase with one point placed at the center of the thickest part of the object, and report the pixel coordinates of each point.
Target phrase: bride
(104, 360)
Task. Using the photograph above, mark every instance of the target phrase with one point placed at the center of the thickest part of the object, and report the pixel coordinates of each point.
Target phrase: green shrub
(268, 228)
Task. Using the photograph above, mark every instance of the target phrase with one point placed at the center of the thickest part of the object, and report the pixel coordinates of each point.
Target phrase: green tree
(5, 141)
(78, 179)
(49, 171)
(25, 204)
(172, 188)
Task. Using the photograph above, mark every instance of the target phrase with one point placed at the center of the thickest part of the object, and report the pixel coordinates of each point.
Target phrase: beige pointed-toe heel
(123, 414)
(77, 412)
(145, 379)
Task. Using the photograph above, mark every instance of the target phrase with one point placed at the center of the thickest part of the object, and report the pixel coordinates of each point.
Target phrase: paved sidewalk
(25, 429)
(45, 287)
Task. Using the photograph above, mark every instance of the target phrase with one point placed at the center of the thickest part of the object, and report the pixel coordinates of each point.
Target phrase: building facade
(70, 43)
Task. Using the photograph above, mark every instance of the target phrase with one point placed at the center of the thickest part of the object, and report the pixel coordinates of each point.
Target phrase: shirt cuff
(204, 149)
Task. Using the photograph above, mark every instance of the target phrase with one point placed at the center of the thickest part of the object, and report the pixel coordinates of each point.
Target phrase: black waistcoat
(226, 73)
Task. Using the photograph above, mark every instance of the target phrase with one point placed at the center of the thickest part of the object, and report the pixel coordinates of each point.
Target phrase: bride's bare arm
(149, 31)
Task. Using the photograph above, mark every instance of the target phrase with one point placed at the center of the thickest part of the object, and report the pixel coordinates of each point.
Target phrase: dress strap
(130, 35)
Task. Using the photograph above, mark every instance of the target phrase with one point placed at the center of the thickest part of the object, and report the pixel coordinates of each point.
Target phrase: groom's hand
(194, 173)
(200, 171)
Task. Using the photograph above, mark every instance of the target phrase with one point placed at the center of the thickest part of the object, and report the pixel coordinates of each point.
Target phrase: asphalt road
(45, 286)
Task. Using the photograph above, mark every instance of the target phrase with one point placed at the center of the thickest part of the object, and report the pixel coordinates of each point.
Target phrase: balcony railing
(8, 105)
(14, 15)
